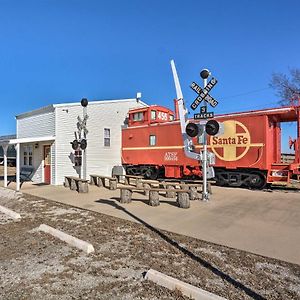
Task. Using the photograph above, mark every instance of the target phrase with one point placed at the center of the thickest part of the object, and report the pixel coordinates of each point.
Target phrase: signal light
(192, 129)
(83, 144)
(75, 144)
(212, 127)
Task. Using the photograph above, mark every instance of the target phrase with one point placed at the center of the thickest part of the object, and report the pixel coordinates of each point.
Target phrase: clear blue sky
(60, 51)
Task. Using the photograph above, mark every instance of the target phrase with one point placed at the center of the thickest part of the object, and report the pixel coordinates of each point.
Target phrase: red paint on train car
(152, 142)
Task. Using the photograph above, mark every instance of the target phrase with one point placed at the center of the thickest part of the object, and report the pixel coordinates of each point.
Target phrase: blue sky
(60, 51)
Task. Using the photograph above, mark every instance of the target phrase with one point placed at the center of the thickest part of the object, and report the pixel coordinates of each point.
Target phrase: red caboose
(247, 153)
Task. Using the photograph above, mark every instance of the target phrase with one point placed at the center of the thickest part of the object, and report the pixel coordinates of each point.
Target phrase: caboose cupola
(149, 115)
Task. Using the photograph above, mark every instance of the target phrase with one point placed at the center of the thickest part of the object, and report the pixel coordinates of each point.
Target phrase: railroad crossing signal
(203, 94)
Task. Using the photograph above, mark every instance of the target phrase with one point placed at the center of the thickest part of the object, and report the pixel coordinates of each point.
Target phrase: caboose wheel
(220, 181)
(257, 181)
(151, 173)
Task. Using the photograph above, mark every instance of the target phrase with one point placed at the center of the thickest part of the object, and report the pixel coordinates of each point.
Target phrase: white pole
(205, 196)
(5, 164)
(17, 146)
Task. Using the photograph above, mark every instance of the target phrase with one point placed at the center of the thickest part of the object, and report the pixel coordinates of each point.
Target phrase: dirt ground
(34, 265)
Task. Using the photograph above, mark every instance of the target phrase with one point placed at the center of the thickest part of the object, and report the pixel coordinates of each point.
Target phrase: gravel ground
(34, 265)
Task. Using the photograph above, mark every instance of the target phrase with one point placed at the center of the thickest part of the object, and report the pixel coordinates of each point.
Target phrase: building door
(47, 164)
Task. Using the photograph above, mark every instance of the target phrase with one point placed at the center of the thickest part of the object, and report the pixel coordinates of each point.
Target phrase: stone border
(185, 288)
(69, 239)
(10, 213)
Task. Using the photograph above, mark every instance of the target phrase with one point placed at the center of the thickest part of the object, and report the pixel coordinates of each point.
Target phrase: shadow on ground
(188, 253)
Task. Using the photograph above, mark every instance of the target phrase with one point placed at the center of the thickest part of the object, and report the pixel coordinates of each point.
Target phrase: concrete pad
(265, 223)
(69, 239)
(10, 213)
(186, 289)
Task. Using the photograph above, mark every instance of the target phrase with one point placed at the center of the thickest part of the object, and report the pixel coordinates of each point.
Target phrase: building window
(153, 114)
(138, 116)
(27, 155)
(152, 140)
(106, 137)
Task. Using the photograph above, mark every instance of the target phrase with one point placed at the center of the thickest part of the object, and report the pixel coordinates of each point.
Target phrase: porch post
(17, 146)
(5, 163)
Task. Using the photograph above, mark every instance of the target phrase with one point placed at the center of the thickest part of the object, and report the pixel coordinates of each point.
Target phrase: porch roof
(27, 140)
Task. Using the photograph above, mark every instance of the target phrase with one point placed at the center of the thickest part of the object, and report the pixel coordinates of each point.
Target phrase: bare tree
(287, 87)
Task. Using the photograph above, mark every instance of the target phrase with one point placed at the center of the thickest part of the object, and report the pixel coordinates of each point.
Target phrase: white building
(43, 139)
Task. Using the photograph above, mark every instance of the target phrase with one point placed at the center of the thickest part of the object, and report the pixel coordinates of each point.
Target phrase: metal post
(17, 146)
(205, 195)
(84, 151)
(5, 147)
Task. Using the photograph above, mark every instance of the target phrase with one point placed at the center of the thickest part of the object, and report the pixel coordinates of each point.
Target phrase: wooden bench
(127, 179)
(171, 187)
(99, 180)
(182, 199)
(77, 184)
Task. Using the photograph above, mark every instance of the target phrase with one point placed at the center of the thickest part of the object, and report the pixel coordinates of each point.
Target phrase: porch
(35, 153)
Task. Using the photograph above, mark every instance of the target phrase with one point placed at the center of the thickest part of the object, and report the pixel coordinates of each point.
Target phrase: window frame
(152, 142)
(106, 137)
(138, 116)
(153, 115)
(28, 155)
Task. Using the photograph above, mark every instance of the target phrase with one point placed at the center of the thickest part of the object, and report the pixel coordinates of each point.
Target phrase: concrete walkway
(265, 223)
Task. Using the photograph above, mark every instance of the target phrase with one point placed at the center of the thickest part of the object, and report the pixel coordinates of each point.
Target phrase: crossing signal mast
(205, 127)
(80, 142)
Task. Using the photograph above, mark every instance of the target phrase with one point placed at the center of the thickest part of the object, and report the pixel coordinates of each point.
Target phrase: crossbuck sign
(203, 94)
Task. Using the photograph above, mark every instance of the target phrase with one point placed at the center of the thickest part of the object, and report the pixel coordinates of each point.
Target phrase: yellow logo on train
(234, 143)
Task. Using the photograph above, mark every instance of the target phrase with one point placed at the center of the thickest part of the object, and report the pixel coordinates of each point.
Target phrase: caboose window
(106, 137)
(171, 118)
(153, 114)
(138, 116)
(152, 140)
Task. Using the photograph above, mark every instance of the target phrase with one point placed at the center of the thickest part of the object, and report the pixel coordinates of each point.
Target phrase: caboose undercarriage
(250, 178)
(255, 179)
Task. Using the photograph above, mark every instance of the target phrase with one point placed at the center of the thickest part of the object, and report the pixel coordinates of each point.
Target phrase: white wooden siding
(100, 159)
(39, 125)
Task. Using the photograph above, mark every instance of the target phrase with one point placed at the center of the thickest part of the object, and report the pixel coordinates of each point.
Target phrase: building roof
(7, 138)
(51, 108)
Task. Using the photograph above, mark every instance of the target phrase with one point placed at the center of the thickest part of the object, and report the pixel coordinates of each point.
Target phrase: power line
(252, 107)
(246, 93)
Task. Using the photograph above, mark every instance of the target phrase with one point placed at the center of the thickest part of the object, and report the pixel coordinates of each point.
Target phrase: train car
(248, 152)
